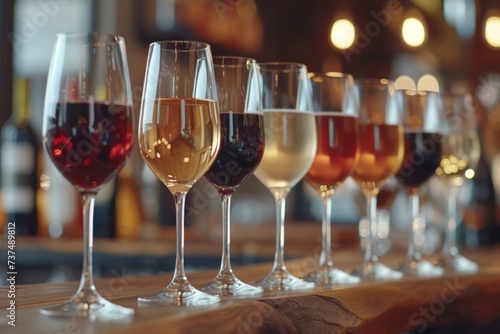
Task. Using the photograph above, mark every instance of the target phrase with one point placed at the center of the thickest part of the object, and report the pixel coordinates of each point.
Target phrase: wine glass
(381, 154)
(179, 138)
(459, 157)
(88, 134)
(422, 154)
(290, 135)
(241, 150)
(336, 114)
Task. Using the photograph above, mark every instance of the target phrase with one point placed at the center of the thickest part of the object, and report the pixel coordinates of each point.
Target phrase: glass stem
(180, 274)
(325, 260)
(279, 259)
(87, 282)
(450, 243)
(225, 267)
(414, 254)
(370, 256)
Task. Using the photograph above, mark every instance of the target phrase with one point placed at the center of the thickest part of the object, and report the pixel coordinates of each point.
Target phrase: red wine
(90, 143)
(422, 155)
(241, 150)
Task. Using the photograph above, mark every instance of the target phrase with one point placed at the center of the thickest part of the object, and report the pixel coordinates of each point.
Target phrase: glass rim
(91, 38)
(330, 74)
(281, 66)
(463, 98)
(374, 81)
(415, 92)
(173, 45)
(346, 113)
(233, 61)
(375, 84)
(457, 95)
(320, 77)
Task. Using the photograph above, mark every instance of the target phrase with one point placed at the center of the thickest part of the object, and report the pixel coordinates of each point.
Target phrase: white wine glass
(423, 115)
(179, 138)
(241, 150)
(381, 154)
(88, 135)
(290, 135)
(459, 157)
(336, 114)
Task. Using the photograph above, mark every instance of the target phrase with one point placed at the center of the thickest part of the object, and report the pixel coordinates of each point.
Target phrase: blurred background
(451, 45)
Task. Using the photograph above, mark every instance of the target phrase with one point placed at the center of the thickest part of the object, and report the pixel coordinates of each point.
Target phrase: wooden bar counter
(447, 304)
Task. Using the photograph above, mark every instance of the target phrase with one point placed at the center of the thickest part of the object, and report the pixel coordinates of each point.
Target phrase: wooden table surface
(447, 304)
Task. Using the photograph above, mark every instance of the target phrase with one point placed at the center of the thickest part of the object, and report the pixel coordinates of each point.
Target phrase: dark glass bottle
(105, 211)
(479, 222)
(19, 151)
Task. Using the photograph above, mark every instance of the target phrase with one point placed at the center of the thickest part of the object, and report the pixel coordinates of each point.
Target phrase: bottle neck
(20, 103)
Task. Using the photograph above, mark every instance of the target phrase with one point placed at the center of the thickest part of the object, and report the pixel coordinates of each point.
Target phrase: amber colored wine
(290, 148)
(381, 154)
(460, 153)
(182, 140)
(337, 153)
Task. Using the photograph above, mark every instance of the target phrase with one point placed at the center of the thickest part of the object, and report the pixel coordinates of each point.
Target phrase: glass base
(97, 308)
(377, 272)
(332, 276)
(458, 264)
(231, 287)
(180, 296)
(282, 280)
(421, 268)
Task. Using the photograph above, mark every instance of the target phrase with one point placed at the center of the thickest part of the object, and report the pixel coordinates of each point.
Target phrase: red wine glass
(422, 154)
(241, 150)
(88, 134)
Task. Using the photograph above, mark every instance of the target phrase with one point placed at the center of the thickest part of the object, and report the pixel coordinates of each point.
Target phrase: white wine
(290, 148)
(460, 153)
(181, 141)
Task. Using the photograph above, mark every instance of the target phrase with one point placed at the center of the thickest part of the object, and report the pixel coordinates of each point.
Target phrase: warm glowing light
(429, 83)
(405, 82)
(343, 34)
(469, 173)
(44, 181)
(413, 32)
(491, 31)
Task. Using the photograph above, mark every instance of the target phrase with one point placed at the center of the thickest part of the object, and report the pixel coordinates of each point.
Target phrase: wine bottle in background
(479, 221)
(150, 199)
(62, 204)
(105, 211)
(19, 155)
(129, 210)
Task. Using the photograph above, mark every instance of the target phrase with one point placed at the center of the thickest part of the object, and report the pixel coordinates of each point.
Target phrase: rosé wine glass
(336, 113)
(381, 154)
